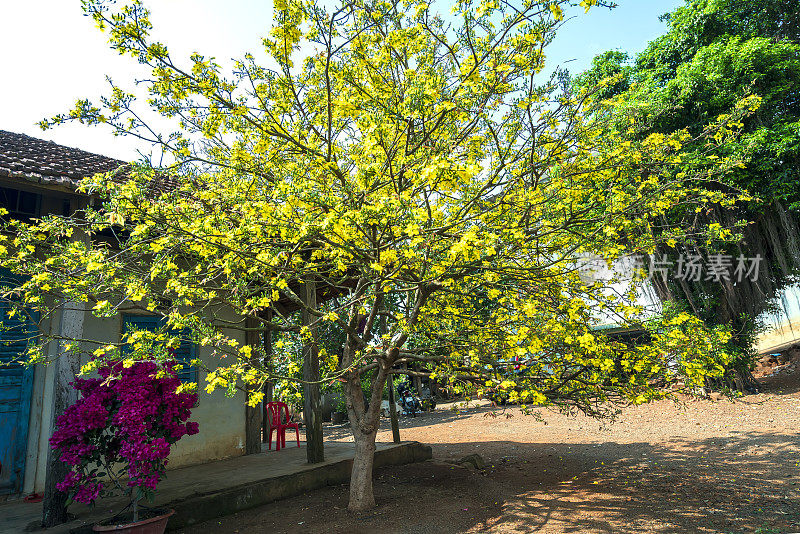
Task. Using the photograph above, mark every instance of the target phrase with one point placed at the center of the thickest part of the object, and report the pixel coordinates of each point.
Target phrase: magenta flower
(125, 424)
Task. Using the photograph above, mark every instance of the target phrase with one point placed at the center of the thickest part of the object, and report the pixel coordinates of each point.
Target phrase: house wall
(778, 338)
(782, 329)
(221, 419)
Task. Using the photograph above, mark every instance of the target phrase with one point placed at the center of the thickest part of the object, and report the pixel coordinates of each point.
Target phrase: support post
(312, 404)
(67, 366)
(393, 410)
(416, 379)
(253, 414)
(390, 383)
(268, 386)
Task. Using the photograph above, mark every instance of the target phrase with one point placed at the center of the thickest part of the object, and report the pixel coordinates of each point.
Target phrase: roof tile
(44, 162)
(35, 160)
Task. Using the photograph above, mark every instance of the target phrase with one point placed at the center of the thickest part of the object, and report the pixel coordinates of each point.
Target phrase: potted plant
(340, 413)
(117, 437)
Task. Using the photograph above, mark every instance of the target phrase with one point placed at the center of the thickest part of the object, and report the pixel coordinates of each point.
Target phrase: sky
(51, 55)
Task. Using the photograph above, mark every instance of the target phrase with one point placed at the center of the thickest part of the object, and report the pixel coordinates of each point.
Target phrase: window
(20, 203)
(185, 353)
(15, 331)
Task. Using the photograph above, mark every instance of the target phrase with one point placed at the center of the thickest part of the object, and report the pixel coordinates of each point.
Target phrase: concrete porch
(214, 489)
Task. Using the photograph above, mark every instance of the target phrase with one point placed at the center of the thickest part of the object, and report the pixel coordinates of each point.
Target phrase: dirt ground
(699, 466)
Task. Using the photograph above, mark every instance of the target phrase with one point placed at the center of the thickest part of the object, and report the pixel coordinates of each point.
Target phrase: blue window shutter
(185, 353)
(16, 384)
(15, 333)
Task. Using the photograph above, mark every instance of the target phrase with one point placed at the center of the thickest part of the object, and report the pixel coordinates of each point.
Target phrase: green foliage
(700, 23)
(714, 54)
(611, 64)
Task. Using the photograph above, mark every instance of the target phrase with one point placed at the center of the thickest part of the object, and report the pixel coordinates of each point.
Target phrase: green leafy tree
(714, 53)
(613, 64)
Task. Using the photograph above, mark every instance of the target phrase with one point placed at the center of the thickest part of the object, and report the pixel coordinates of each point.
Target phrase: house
(38, 178)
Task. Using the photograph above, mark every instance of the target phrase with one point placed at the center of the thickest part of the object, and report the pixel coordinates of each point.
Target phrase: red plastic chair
(277, 412)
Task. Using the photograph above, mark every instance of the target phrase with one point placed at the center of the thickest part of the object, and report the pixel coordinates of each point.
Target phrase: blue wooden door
(16, 382)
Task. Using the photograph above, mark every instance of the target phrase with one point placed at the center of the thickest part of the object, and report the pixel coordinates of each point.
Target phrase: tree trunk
(268, 386)
(364, 418)
(362, 497)
(393, 411)
(392, 403)
(417, 380)
(364, 421)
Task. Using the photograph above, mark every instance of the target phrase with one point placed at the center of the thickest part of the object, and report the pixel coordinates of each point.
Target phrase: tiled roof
(44, 162)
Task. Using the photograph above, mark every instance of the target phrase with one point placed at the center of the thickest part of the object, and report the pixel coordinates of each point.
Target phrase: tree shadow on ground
(733, 484)
(746, 482)
(780, 384)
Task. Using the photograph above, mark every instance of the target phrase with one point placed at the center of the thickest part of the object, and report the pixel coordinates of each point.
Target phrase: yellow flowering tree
(383, 152)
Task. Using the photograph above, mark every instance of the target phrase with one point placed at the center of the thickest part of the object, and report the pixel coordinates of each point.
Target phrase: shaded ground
(701, 466)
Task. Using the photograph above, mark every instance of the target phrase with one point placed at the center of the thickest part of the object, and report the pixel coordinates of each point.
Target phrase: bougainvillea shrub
(123, 425)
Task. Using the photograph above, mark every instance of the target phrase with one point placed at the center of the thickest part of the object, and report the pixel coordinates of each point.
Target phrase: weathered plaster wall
(779, 337)
(221, 419)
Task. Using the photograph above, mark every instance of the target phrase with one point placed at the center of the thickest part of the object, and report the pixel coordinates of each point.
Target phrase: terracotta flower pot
(151, 525)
